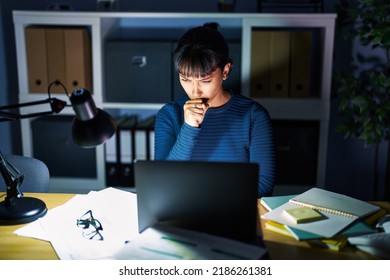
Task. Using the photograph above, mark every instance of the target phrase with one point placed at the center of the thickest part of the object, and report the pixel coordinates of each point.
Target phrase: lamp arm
(12, 178)
(56, 106)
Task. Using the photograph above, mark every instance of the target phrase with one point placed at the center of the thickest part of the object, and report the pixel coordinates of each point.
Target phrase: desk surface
(14, 247)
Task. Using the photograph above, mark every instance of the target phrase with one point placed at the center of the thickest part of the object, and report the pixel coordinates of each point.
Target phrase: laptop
(218, 198)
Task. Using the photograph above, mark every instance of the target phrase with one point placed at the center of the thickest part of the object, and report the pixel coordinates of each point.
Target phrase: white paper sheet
(168, 243)
(115, 209)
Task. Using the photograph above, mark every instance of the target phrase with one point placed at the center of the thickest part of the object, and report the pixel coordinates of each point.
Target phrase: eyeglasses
(91, 227)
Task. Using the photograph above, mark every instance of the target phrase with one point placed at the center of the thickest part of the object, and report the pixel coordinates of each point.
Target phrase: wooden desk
(14, 247)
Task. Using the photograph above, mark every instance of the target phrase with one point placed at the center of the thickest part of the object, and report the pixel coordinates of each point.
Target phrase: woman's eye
(206, 81)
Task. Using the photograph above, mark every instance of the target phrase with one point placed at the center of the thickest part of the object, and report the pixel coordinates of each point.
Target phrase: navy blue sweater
(239, 131)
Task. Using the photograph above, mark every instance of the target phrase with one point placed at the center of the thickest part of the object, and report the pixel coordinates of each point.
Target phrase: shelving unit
(288, 5)
(102, 26)
(297, 109)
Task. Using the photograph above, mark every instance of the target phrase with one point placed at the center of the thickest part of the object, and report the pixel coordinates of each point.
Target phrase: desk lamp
(91, 127)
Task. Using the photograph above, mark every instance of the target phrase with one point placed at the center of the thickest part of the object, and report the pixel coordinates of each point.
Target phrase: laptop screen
(218, 198)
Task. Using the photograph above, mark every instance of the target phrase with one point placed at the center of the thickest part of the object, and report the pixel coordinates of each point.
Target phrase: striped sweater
(239, 131)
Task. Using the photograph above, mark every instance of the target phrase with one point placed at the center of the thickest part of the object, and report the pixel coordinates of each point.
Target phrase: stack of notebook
(336, 217)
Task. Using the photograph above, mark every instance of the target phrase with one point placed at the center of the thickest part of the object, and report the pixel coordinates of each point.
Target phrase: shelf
(104, 27)
(290, 5)
(297, 109)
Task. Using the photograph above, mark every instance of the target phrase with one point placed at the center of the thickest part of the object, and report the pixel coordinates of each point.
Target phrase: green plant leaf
(364, 100)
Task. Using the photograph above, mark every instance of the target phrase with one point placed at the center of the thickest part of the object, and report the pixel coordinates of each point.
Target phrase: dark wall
(9, 132)
(5, 140)
(350, 165)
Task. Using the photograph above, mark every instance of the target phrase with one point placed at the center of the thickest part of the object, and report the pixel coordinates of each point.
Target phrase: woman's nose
(196, 89)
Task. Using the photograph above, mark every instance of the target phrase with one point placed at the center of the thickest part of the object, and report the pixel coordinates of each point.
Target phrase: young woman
(211, 123)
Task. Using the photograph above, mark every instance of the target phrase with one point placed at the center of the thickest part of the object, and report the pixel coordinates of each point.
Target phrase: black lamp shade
(91, 126)
(88, 134)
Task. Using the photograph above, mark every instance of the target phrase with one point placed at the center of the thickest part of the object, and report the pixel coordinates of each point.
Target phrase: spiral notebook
(327, 201)
(339, 210)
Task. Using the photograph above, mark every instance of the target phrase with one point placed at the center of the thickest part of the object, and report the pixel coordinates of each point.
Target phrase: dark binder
(113, 154)
(126, 151)
(133, 140)
(144, 139)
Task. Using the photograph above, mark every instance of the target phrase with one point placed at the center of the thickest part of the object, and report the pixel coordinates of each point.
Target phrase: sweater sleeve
(174, 139)
(262, 150)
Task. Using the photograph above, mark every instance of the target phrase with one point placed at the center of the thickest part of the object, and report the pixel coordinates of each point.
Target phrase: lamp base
(23, 210)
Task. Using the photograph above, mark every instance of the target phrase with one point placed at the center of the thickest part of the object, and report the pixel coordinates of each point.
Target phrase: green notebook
(271, 202)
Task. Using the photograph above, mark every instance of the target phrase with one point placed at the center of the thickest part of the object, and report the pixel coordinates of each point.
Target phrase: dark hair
(201, 50)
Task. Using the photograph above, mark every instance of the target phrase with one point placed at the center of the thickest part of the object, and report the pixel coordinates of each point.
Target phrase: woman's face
(208, 87)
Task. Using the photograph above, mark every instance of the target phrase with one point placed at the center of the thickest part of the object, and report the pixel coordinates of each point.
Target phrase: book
(297, 234)
(357, 228)
(331, 225)
(334, 244)
(271, 202)
(278, 228)
(335, 203)
(376, 244)
(302, 214)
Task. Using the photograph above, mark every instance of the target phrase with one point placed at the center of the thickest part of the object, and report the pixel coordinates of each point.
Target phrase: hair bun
(212, 25)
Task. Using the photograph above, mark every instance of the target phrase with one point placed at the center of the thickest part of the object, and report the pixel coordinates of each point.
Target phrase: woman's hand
(194, 111)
